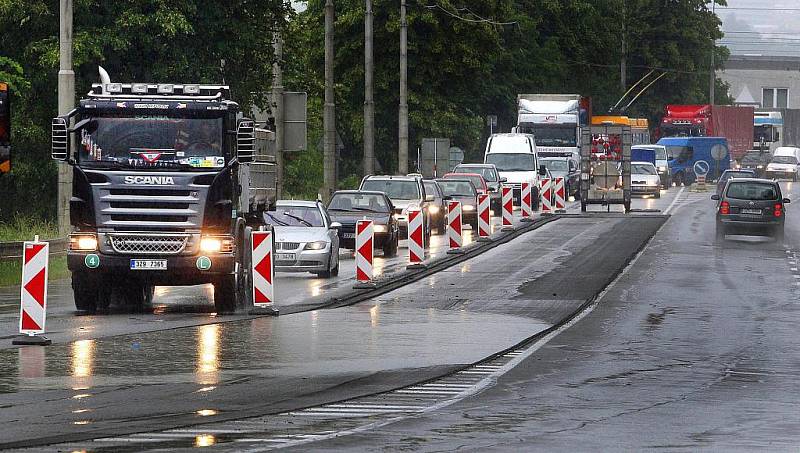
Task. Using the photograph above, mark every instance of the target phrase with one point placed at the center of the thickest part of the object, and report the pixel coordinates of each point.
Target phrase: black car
(756, 161)
(730, 174)
(750, 205)
(349, 206)
(464, 191)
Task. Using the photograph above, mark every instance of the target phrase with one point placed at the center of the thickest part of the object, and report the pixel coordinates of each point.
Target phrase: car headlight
(760, 167)
(662, 169)
(469, 207)
(83, 242)
(380, 228)
(316, 245)
(216, 244)
(433, 209)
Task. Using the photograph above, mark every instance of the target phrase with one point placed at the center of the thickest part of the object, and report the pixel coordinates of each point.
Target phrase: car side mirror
(336, 225)
(245, 140)
(715, 197)
(787, 200)
(542, 170)
(429, 198)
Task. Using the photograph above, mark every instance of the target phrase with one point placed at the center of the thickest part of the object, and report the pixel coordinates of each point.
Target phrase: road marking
(675, 200)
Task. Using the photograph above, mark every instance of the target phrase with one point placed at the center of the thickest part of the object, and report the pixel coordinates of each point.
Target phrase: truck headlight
(216, 244)
(316, 245)
(379, 228)
(83, 242)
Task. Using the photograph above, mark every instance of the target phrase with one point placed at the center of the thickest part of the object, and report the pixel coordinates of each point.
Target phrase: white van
(515, 157)
(784, 163)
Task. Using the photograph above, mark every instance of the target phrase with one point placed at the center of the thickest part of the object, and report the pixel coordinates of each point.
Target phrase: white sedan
(645, 179)
(306, 240)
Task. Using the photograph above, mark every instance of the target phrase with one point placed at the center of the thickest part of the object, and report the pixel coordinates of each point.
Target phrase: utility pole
(712, 74)
(329, 118)
(369, 103)
(277, 109)
(623, 64)
(66, 102)
(402, 152)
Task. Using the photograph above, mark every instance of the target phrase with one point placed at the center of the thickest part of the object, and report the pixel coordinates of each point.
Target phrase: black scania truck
(160, 192)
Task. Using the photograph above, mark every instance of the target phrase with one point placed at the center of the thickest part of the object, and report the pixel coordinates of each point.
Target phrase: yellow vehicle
(640, 129)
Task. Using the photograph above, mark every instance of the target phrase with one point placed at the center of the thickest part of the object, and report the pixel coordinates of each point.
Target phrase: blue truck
(684, 152)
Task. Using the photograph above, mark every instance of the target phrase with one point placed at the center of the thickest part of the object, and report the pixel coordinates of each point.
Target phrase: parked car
(405, 192)
(306, 239)
(756, 161)
(645, 179)
(748, 205)
(784, 163)
(492, 178)
(730, 174)
(464, 191)
(475, 178)
(349, 206)
(436, 208)
(567, 168)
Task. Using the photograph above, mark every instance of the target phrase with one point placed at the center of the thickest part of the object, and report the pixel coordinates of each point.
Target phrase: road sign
(719, 152)
(701, 168)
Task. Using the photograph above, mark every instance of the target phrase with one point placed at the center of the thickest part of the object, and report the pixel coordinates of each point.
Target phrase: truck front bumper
(181, 270)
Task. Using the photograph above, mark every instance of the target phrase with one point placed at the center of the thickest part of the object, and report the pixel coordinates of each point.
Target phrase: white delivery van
(784, 164)
(516, 160)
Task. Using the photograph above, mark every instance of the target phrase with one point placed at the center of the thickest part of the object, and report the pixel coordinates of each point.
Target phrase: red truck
(733, 123)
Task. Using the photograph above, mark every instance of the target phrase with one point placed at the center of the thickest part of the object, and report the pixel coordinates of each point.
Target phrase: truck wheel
(225, 294)
(137, 296)
(234, 290)
(86, 291)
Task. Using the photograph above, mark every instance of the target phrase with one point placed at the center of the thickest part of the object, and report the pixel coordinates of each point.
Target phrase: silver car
(306, 240)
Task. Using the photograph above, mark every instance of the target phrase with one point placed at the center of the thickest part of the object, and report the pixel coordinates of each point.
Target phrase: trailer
(606, 166)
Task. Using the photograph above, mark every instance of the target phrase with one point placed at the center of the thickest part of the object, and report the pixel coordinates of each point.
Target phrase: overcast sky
(761, 27)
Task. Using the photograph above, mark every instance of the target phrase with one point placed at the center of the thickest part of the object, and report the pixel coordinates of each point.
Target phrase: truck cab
(159, 194)
(516, 160)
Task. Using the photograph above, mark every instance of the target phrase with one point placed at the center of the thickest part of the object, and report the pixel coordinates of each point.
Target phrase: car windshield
(430, 188)
(784, 160)
(737, 174)
(556, 165)
(457, 188)
(488, 173)
(661, 153)
(512, 161)
(555, 135)
(395, 189)
(476, 180)
(294, 216)
(748, 190)
(195, 141)
(753, 158)
(349, 202)
(643, 169)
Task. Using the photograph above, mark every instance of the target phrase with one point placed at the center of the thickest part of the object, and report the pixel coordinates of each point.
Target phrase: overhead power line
(478, 19)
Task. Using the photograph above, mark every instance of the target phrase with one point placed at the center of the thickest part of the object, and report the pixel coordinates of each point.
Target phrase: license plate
(148, 265)
(751, 211)
(348, 236)
(284, 256)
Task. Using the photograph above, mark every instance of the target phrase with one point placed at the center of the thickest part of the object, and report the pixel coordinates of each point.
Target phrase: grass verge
(11, 270)
(24, 229)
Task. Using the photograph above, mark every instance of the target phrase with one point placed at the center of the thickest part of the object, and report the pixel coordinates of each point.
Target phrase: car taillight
(778, 210)
(724, 208)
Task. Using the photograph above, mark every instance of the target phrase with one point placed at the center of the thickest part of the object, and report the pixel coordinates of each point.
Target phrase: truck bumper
(180, 271)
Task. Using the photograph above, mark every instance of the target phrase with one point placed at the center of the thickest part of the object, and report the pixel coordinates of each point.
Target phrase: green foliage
(11, 271)
(302, 174)
(25, 228)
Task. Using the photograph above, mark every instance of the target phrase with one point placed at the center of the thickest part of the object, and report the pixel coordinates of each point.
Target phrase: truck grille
(147, 244)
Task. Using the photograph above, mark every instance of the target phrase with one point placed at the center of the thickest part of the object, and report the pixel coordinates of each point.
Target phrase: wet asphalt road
(174, 377)
(694, 348)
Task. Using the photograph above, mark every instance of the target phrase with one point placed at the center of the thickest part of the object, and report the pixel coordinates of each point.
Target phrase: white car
(306, 240)
(782, 167)
(645, 179)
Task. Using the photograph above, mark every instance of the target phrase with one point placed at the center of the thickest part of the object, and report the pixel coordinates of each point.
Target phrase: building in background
(764, 82)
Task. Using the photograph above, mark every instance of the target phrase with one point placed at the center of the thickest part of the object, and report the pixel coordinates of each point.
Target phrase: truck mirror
(245, 141)
(59, 144)
(542, 170)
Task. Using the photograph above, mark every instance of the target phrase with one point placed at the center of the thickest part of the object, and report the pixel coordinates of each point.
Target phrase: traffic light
(5, 129)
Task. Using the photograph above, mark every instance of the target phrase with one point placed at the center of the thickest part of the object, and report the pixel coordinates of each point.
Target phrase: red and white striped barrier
(416, 237)
(364, 252)
(560, 195)
(263, 271)
(454, 226)
(547, 196)
(484, 217)
(526, 202)
(33, 293)
(508, 208)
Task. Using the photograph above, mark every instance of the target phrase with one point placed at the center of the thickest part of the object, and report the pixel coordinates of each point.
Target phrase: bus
(640, 127)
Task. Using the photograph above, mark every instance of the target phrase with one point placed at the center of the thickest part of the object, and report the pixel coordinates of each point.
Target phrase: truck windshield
(512, 161)
(763, 130)
(395, 189)
(196, 142)
(555, 135)
(679, 130)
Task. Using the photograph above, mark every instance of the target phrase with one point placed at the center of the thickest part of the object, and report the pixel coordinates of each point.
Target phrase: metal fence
(10, 251)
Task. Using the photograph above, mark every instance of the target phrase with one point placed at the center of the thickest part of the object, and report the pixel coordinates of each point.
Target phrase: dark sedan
(464, 191)
(750, 206)
(349, 206)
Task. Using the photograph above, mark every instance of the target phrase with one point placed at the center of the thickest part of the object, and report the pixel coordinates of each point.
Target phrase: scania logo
(153, 180)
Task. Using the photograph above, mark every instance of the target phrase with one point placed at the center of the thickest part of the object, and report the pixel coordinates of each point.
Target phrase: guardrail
(13, 250)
